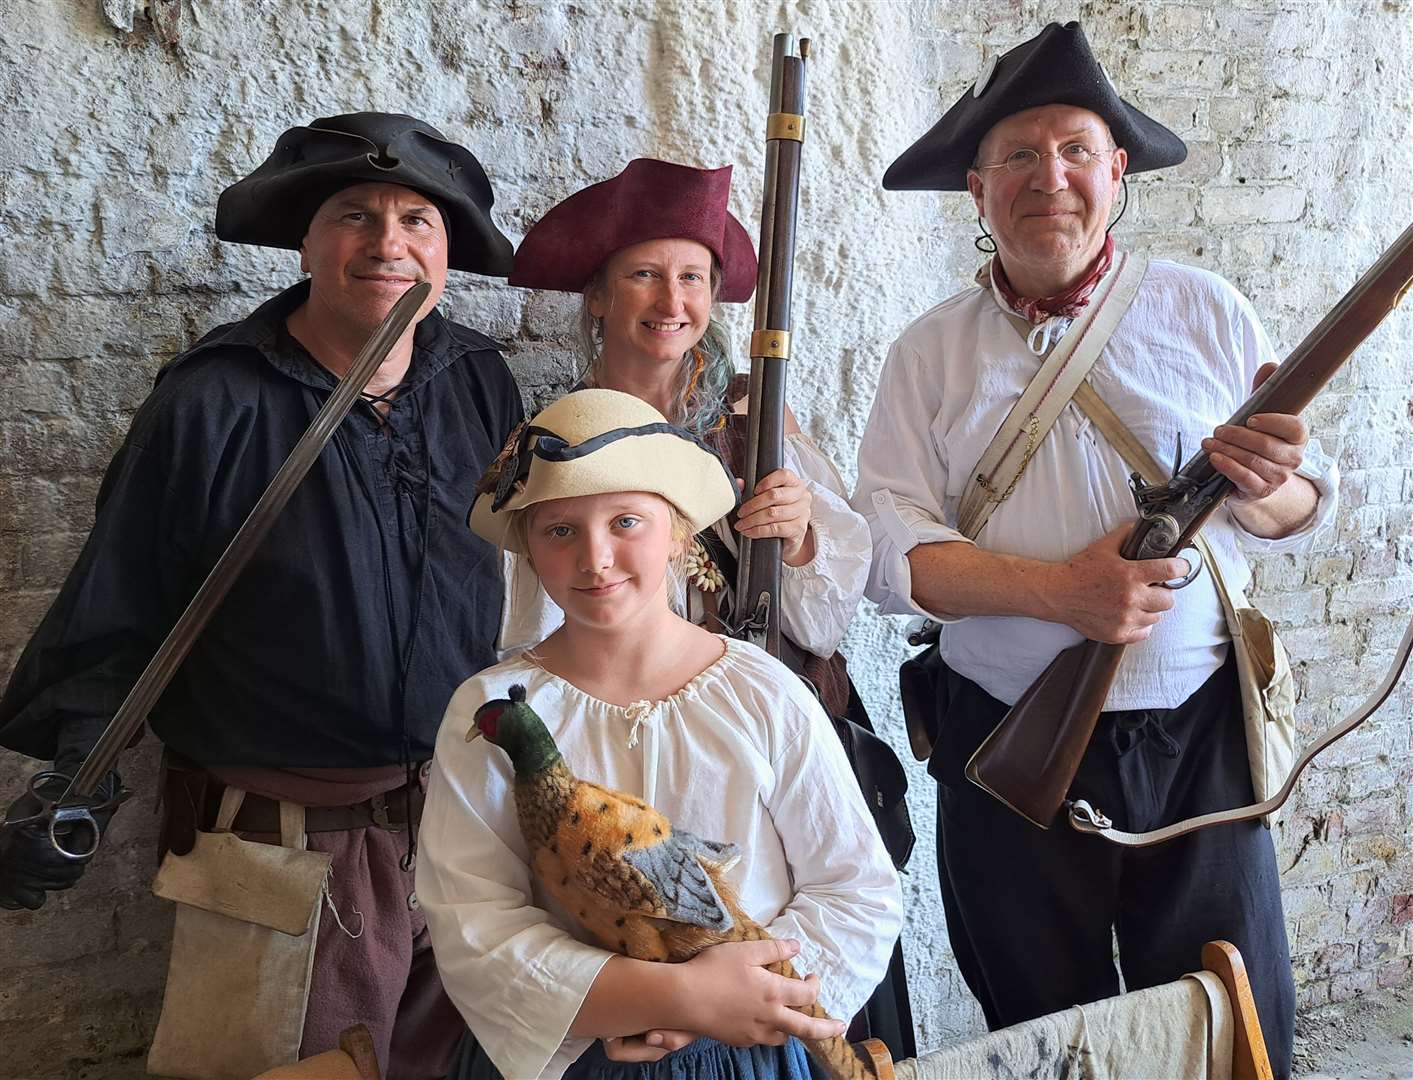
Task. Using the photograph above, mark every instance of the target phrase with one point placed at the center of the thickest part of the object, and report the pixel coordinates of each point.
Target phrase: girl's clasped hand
(740, 1003)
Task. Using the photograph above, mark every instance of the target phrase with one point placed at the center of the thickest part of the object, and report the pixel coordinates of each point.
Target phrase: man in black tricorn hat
(1042, 141)
(322, 677)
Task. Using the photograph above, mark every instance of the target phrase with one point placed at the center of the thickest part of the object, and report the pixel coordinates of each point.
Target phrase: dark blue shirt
(369, 602)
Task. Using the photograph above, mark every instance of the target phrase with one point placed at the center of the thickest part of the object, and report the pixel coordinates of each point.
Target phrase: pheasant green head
(516, 728)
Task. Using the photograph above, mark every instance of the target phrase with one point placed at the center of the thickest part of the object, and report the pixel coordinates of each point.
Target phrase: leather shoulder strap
(1084, 819)
(1002, 464)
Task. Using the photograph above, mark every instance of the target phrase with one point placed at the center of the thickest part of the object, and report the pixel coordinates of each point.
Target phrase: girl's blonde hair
(698, 400)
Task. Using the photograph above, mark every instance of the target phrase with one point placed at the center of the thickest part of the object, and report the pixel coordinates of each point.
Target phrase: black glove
(30, 866)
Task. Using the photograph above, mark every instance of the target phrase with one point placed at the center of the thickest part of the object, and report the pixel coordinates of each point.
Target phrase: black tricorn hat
(1056, 67)
(272, 206)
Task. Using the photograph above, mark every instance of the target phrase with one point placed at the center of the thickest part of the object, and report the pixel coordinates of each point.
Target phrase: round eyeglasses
(1024, 160)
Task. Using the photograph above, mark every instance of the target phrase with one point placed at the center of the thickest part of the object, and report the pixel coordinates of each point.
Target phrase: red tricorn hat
(649, 200)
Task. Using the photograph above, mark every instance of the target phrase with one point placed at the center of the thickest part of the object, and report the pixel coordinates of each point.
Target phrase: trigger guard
(1195, 565)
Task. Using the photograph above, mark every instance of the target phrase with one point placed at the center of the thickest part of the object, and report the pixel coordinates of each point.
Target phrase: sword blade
(164, 664)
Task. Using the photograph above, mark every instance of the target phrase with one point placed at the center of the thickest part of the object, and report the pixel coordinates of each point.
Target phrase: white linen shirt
(1181, 361)
(743, 753)
(817, 600)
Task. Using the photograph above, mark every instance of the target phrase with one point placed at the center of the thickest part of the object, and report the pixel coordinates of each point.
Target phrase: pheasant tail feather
(836, 1056)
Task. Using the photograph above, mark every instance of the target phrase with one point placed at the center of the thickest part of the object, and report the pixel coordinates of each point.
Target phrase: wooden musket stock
(1030, 759)
(758, 574)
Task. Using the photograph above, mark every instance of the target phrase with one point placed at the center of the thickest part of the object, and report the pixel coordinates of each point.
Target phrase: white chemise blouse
(743, 753)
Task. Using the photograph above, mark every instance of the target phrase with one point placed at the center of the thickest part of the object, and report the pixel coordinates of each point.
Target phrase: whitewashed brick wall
(124, 119)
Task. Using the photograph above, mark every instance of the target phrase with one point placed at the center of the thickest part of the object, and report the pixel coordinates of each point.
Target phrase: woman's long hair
(700, 396)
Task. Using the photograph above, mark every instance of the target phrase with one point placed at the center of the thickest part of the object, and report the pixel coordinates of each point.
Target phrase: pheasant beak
(484, 722)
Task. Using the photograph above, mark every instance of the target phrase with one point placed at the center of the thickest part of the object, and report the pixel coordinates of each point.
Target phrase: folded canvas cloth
(1180, 1029)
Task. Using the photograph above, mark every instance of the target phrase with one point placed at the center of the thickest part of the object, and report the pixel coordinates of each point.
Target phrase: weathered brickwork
(125, 118)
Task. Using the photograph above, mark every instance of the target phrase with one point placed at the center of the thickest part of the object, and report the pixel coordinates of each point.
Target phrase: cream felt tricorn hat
(592, 442)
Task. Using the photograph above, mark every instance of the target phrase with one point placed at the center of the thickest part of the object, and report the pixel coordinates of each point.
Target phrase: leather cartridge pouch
(922, 689)
(242, 950)
(882, 780)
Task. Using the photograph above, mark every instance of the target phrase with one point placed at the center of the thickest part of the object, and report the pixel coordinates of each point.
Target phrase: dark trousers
(1031, 913)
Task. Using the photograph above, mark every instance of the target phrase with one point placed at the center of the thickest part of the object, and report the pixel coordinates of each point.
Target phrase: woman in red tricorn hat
(652, 251)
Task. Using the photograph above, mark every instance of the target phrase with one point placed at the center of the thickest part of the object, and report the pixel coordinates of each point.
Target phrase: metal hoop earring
(985, 243)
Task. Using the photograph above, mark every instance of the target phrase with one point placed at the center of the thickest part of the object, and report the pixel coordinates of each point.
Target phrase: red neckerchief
(1036, 309)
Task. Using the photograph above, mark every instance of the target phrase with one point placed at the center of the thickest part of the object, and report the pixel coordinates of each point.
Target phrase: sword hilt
(72, 828)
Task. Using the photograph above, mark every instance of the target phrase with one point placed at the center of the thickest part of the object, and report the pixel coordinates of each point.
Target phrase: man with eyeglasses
(1042, 141)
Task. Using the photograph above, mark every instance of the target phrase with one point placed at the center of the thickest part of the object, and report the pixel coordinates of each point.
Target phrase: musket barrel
(759, 560)
(1296, 382)
(787, 179)
(1323, 351)
(781, 47)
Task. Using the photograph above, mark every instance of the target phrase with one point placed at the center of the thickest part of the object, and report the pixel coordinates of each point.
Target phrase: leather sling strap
(1000, 467)
(1082, 815)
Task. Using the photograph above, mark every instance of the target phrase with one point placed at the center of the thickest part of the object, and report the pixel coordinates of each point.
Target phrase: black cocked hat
(1056, 67)
(272, 207)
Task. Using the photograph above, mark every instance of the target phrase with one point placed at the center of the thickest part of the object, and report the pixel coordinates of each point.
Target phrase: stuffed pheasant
(641, 887)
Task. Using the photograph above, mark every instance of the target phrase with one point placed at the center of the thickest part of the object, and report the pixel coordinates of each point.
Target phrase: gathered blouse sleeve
(818, 600)
(518, 980)
(847, 909)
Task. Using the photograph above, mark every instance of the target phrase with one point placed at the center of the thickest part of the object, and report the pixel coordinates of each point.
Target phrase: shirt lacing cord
(1048, 332)
(385, 398)
(639, 712)
(642, 712)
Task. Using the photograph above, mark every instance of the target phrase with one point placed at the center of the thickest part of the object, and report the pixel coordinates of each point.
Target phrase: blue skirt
(705, 1059)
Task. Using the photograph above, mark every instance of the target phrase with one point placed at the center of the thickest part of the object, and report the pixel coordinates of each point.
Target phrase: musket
(1030, 759)
(65, 808)
(758, 569)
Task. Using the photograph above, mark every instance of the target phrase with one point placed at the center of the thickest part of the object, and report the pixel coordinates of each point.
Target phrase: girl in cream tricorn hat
(596, 442)
(599, 492)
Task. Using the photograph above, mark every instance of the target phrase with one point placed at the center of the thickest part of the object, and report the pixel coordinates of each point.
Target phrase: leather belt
(259, 814)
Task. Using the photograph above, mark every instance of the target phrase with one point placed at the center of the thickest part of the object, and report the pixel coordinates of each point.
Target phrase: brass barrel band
(771, 343)
(785, 125)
